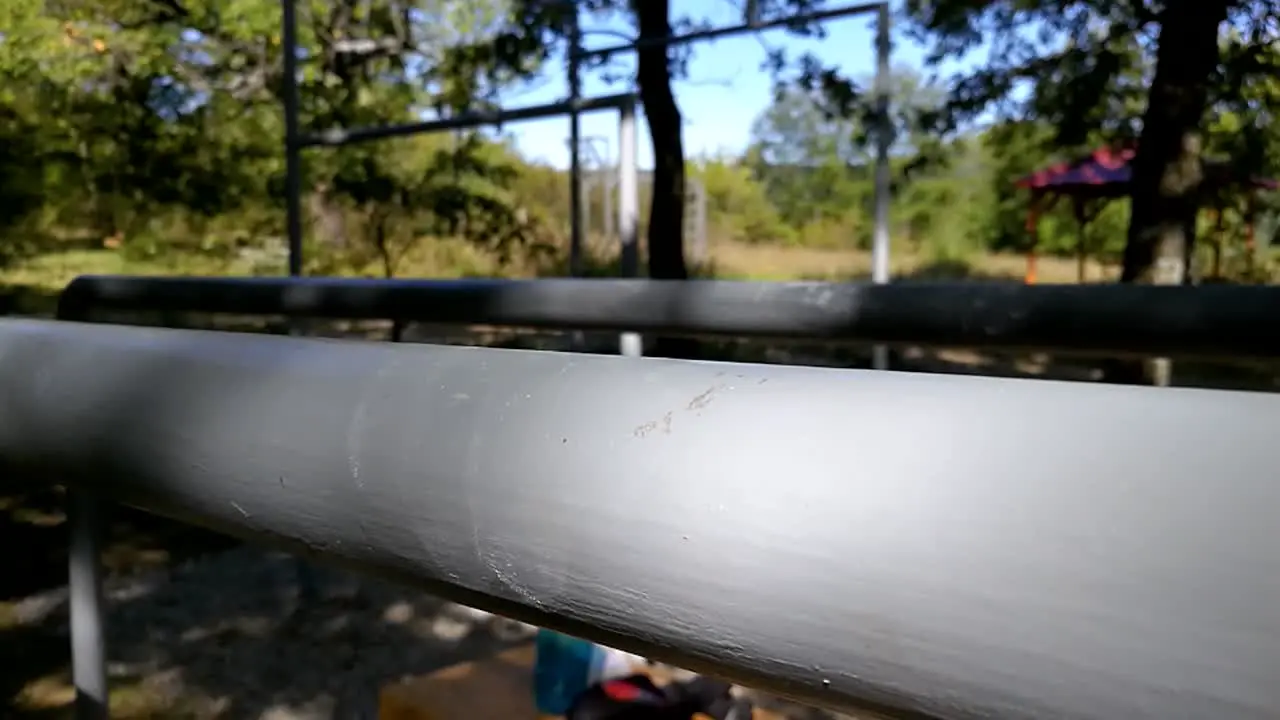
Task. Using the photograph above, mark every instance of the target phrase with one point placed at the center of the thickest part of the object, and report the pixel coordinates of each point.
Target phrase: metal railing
(934, 546)
(1206, 322)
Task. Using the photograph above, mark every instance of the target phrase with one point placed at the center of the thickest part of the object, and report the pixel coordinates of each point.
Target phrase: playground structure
(1104, 175)
(627, 182)
(923, 546)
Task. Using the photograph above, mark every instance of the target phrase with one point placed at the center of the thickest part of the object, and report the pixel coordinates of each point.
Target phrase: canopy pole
(1033, 233)
(1082, 228)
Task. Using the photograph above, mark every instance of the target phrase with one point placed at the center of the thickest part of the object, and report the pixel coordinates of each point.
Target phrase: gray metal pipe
(1228, 322)
(574, 77)
(348, 136)
(85, 599)
(630, 344)
(85, 604)
(880, 245)
(812, 17)
(941, 546)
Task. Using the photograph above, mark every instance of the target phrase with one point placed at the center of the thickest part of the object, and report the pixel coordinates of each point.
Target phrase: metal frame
(884, 136)
(573, 107)
(85, 575)
(695, 208)
(296, 141)
(926, 546)
(796, 20)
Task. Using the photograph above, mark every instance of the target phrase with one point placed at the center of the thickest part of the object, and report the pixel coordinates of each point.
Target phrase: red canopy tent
(1104, 175)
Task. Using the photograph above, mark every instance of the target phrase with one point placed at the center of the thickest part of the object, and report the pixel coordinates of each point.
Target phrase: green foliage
(145, 122)
(1188, 80)
(155, 126)
(738, 207)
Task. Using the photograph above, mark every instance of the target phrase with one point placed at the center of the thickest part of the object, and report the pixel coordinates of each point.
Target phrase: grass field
(50, 273)
(775, 262)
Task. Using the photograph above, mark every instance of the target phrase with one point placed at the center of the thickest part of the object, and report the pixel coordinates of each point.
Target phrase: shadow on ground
(228, 637)
(32, 520)
(27, 300)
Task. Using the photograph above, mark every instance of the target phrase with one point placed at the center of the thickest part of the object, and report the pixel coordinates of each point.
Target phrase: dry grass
(776, 262)
(452, 258)
(54, 271)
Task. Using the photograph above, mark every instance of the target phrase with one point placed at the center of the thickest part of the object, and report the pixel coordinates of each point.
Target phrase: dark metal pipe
(1209, 322)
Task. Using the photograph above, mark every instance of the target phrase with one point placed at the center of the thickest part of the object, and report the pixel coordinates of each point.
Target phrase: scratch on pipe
(508, 578)
(649, 427)
(703, 400)
(359, 421)
(236, 505)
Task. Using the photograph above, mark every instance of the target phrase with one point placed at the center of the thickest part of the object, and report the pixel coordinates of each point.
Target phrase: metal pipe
(341, 136)
(884, 138)
(86, 605)
(575, 146)
(798, 19)
(941, 546)
(1216, 321)
(630, 343)
(700, 221)
(628, 191)
(292, 144)
(308, 589)
(88, 622)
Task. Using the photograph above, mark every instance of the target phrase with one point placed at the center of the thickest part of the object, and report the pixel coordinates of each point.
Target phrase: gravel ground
(225, 637)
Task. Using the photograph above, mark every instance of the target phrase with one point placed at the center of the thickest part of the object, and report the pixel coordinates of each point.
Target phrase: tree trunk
(666, 211)
(1167, 171)
(383, 245)
(665, 235)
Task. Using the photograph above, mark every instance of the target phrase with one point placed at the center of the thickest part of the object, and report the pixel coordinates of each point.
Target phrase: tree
(547, 24)
(814, 160)
(1084, 66)
(805, 159)
(737, 204)
(148, 105)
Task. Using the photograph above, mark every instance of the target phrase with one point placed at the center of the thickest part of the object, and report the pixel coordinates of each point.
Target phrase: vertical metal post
(88, 642)
(307, 587)
(700, 221)
(628, 190)
(575, 145)
(84, 585)
(292, 151)
(628, 209)
(884, 137)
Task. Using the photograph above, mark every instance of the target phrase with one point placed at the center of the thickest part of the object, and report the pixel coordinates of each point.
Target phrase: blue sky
(724, 92)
